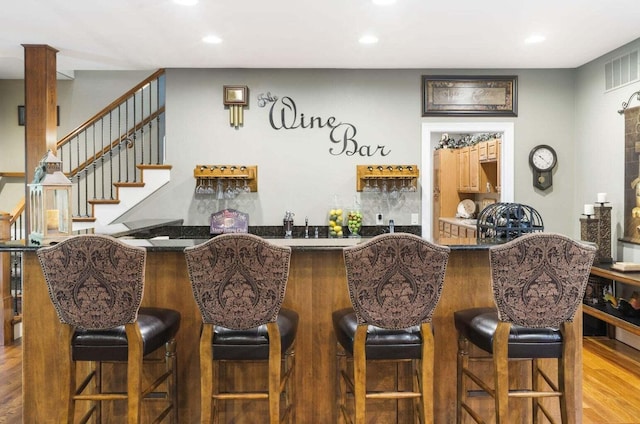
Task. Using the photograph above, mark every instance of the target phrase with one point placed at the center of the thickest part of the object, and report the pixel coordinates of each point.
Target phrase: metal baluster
(102, 155)
(126, 124)
(142, 125)
(95, 170)
(135, 160)
(119, 144)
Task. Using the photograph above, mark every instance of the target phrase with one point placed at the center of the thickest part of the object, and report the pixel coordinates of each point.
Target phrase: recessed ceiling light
(186, 2)
(368, 39)
(212, 39)
(535, 38)
(383, 2)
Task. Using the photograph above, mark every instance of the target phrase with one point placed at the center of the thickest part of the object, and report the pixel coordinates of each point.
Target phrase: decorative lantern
(49, 202)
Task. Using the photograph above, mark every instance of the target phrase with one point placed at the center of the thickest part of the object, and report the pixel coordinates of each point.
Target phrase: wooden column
(6, 313)
(40, 96)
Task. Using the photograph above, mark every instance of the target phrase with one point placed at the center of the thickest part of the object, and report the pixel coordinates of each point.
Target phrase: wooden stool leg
(462, 363)
(501, 372)
(341, 370)
(206, 374)
(426, 373)
(567, 374)
(134, 373)
(172, 382)
(360, 373)
(275, 374)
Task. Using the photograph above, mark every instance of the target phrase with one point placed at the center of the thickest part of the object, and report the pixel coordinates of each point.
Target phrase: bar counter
(317, 286)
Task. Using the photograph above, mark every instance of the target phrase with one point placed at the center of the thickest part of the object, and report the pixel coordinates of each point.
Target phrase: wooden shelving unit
(203, 173)
(610, 315)
(386, 172)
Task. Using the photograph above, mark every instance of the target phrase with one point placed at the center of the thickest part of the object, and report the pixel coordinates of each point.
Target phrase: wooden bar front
(317, 286)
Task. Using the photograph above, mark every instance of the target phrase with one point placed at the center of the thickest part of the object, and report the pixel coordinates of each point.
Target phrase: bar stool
(395, 282)
(538, 282)
(239, 283)
(96, 285)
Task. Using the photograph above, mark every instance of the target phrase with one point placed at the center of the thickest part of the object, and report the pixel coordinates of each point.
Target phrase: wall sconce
(49, 202)
(22, 120)
(236, 98)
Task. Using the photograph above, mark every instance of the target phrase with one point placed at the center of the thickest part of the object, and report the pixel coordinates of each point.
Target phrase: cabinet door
(463, 169)
(483, 151)
(474, 169)
(492, 149)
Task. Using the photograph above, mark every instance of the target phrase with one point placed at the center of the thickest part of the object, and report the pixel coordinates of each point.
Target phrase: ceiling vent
(621, 71)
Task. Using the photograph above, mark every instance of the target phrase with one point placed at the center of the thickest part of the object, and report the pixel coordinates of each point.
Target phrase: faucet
(391, 226)
(287, 223)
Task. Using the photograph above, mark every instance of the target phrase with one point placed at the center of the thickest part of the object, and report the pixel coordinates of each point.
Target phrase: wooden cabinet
(478, 167)
(448, 229)
(445, 188)
(469, 176)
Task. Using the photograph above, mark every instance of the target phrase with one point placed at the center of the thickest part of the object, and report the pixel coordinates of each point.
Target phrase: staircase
(116, 158)
(128, 195)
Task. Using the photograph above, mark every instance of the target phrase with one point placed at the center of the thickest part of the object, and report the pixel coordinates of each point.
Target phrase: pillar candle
(53, 216)
(589, 210)
(602, 197)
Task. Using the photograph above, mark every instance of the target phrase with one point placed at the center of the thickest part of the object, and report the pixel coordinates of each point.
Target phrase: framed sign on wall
(444, 95)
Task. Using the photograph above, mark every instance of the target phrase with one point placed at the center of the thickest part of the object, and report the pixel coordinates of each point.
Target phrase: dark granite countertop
(171, 235)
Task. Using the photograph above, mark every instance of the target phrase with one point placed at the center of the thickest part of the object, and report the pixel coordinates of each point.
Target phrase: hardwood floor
(11, 383)
(610, 387)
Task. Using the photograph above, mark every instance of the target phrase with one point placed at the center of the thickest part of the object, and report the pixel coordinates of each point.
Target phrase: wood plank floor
(611, 384)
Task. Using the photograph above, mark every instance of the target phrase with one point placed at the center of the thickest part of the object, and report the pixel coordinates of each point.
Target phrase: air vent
(621, 71)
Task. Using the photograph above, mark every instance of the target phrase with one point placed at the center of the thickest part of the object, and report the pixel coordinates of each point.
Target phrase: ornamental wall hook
(625, 105)
(236, 98)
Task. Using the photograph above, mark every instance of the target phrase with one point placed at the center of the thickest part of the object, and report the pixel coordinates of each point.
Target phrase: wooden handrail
(12, 174)
(17, 211)
(107, 109)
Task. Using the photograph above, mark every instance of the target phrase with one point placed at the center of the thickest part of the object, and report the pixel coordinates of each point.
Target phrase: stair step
(150, 166)
(104, 201)
(83, 219)
(126, 184)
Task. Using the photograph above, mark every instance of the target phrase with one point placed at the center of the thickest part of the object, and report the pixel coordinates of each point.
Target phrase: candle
(602, 197)
(53, 216)
(589, 210)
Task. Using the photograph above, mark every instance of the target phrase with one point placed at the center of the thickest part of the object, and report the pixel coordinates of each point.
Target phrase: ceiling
(421, 34)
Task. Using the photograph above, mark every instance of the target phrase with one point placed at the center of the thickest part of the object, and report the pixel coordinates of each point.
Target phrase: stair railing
(109, 147)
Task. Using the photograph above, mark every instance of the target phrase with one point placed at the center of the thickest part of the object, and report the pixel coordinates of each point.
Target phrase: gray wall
(297, 172)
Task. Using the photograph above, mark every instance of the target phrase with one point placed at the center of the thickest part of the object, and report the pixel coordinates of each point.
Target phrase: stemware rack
(204, 173)
(386, 172)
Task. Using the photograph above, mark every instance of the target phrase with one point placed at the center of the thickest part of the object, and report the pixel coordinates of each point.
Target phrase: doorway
(431, 133)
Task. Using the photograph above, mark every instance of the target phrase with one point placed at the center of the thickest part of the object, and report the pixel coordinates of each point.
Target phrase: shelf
(206, 173)
(614, 317)
(607, 313)
(366, 173)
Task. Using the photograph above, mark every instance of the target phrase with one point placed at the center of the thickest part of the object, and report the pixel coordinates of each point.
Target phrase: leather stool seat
(382, 343)
(478, 325)
(253, 343)
(157, 325)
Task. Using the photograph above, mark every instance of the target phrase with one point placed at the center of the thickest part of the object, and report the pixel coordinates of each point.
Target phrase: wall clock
(542, 160)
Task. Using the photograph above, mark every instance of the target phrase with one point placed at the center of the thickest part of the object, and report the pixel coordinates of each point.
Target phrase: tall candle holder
(589, 229)
(603, 214)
